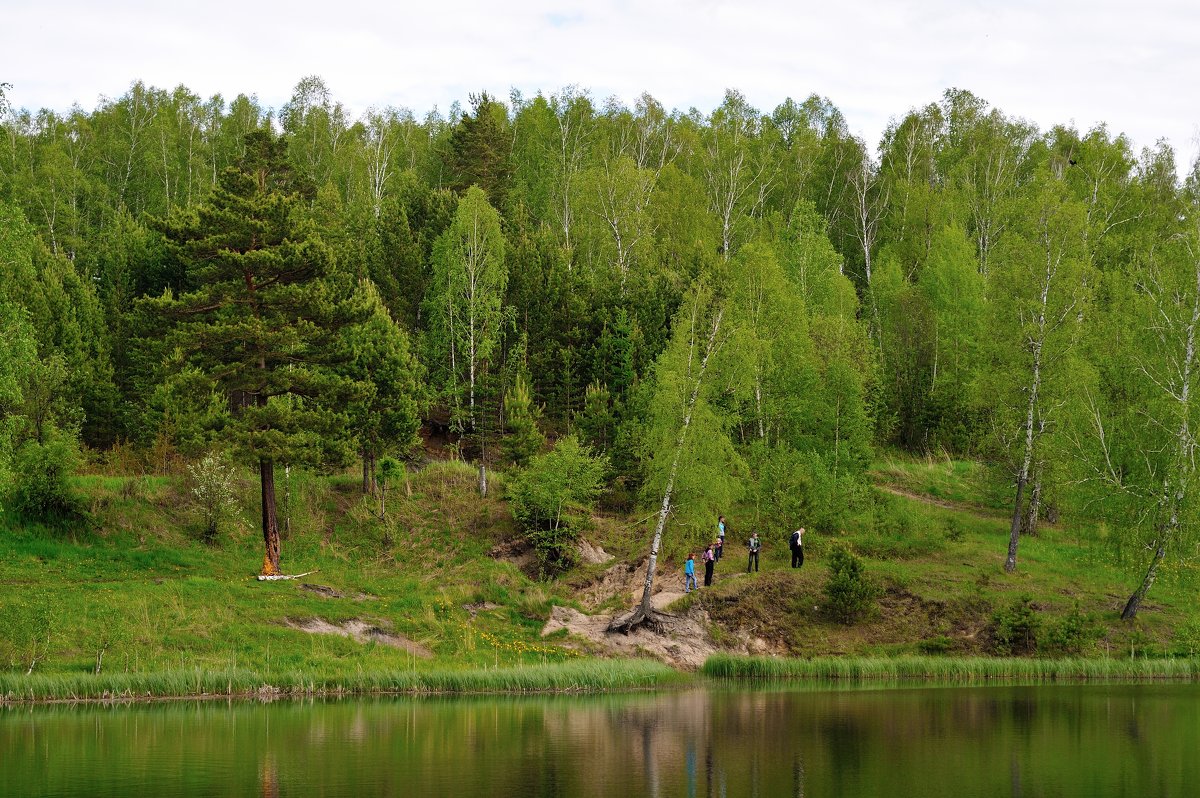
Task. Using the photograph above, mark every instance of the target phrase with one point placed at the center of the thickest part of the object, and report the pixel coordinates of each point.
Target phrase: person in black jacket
(796, 544)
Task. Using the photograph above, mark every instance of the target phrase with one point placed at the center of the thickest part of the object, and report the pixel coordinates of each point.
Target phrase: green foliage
(551, 500)
(32, 620)
(936, 645)
(523, 439)
(41, 488)
(1071, 635)
(213, 492)
(850, 594)
(385, 410)
(597, 422)
(1187, 638)
(465, 301)
(954, 530)
(709, 475)
(1015, 628)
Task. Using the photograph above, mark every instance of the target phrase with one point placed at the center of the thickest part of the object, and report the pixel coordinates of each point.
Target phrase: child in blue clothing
(689, 574)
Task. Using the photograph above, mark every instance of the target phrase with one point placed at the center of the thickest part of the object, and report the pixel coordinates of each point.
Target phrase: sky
(1132, 65)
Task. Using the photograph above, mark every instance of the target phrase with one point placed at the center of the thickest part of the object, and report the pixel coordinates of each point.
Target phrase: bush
(32, 618)
(936, 645)
(849, 594)
(1187, 638)
(954, 530)
(40, 489)
(214, 494)
(552, 498)
(1015, 628)
(1071, 634)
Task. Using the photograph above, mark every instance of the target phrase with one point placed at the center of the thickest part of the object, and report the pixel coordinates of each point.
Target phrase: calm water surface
(1088, 740)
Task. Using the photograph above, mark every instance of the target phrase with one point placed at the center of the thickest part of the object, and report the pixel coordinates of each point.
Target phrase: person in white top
(796, 543)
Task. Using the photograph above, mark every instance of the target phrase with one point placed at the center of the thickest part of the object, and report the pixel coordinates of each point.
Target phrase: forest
(735, 307)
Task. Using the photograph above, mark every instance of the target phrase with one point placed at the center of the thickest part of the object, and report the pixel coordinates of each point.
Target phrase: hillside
(445, 583)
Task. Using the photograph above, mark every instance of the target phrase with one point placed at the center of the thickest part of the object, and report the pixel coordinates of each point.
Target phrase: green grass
(135, 584)
(949, 669)
(578, 676)
(942, 478)
(172, 615)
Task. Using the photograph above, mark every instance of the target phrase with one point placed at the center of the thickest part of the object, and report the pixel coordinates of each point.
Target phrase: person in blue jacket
(689, 574)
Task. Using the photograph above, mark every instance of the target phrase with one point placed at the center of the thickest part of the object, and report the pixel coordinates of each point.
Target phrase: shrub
(954, 530)
(32, 618)
(849, 594)
(1187, 638)
(1071, 634)
(40, 490)
(214, 494)
(1015, 627)
(551, 500)
(936, 645)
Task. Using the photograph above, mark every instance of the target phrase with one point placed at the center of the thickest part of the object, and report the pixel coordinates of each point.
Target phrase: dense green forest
(559, 285)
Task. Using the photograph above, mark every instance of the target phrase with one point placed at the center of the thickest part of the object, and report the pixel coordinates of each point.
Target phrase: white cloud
(1049, 62)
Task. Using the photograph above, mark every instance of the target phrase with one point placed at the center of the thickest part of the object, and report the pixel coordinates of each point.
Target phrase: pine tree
(257, 321)
(524, 439)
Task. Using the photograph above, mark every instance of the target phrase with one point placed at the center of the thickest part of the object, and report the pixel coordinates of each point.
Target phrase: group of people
(712, 555)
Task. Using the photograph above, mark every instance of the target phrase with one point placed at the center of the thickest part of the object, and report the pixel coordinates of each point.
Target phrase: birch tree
(736, 165)
(1141, 453)
(1037, 296)
(465, 299)
(690, 461)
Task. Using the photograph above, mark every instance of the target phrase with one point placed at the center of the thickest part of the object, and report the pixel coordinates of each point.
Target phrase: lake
(1075, 740)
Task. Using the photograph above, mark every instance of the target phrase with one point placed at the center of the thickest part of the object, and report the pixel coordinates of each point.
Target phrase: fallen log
(278, 577)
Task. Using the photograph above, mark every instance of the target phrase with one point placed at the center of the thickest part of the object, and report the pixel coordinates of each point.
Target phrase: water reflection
(1066, 740)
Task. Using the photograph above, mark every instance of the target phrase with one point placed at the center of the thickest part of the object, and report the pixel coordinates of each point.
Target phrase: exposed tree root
(639, 617)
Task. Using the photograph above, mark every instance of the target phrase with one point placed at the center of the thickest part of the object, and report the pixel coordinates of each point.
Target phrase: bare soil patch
(360, 630)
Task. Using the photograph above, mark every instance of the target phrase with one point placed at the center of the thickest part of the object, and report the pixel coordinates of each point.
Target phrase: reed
(575, 676)
(949, 669)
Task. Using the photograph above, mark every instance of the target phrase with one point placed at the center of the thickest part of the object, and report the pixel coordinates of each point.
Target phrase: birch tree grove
(1141, 453)
(736, 164)
(740, 310)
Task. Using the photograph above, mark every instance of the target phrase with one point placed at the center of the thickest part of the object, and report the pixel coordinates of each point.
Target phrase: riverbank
(130, 602)
(587, 676)
(969, 670)
(582, 677)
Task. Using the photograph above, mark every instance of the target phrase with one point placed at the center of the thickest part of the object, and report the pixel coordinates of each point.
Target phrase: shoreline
(590, 677)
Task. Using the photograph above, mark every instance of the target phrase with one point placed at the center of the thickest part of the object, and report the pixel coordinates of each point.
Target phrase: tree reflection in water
(770, 741)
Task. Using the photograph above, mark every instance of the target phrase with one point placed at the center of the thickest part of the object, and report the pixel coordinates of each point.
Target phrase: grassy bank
(950, 669)
(577, 676)
(448, 603)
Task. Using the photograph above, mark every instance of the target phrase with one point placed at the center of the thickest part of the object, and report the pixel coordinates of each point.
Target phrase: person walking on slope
(720, 536)
(754, 546)
(796, 543)
(689, 574)
(709, 558)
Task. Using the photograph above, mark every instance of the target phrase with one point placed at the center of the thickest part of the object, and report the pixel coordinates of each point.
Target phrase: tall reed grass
(948, 669)
(575, 676)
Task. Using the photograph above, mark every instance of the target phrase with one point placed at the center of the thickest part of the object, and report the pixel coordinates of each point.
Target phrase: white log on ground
(281, 577)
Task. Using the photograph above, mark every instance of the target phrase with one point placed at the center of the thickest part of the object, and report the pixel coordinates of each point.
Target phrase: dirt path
(924, 498)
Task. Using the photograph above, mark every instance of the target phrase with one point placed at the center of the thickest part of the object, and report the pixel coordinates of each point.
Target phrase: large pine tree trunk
(270, 521)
